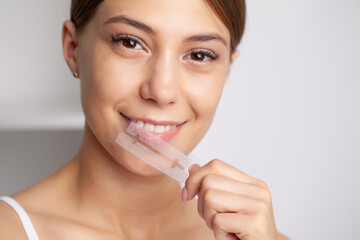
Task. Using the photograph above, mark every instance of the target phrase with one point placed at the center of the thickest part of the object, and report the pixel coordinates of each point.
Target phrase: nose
(161, 85)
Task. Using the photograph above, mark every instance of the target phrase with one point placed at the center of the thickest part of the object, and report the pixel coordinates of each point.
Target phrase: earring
(74, 72)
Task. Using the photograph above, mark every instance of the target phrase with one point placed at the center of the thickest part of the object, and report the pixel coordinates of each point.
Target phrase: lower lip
(165, 136)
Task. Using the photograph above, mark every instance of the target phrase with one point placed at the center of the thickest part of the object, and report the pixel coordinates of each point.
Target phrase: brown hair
(231, 12)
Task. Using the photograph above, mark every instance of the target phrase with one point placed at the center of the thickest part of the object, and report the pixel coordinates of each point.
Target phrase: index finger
(217, 167)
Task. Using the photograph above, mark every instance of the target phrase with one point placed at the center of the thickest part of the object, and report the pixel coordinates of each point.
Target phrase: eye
(127, 41)
(202, 56)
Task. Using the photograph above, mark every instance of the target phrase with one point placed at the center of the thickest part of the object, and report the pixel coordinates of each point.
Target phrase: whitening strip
(155, 151)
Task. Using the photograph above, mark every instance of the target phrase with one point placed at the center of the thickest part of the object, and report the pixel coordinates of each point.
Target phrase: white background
(289, 115)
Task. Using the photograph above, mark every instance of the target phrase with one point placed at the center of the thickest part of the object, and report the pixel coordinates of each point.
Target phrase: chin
(137, 166)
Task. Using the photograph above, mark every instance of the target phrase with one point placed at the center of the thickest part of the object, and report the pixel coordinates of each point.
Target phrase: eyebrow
(148, 29)
(132, 22)
(205, 38)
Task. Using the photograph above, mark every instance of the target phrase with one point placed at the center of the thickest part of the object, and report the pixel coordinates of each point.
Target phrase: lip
(146, 120)
(165, 136)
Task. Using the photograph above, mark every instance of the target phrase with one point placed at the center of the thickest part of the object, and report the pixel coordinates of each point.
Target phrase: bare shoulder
(10, 224)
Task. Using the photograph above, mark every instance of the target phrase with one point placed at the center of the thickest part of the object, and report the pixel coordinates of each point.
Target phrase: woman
(162, 64)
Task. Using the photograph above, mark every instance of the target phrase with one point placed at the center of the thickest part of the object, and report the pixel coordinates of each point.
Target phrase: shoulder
(10, 225)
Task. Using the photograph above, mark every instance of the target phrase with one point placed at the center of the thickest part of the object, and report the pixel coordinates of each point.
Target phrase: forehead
(167, 17)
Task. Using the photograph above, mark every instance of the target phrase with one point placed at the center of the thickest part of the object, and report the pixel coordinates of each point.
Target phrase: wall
(289, 115)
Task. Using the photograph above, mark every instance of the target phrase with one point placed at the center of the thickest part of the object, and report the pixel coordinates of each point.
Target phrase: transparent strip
(155, 152)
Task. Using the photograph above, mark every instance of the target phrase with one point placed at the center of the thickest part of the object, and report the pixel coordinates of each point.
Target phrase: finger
(184, 193)
(193, 168)
(231, 225)
(223, 184)
(239, 188)
(217, 167)
(243, 226)
(225, 236)
(213, 201)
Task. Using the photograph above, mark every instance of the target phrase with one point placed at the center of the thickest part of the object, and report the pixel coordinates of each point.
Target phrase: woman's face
(162, 62)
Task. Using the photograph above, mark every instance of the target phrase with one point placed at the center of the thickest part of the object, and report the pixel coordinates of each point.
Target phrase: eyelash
(206, 52)
(117, 38)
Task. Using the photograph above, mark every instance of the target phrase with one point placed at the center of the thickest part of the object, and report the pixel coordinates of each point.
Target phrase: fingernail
(192, 167)
(184, 194)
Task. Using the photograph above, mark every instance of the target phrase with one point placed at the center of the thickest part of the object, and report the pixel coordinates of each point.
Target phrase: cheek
(204, 94)
(105, 82)
(107, 79)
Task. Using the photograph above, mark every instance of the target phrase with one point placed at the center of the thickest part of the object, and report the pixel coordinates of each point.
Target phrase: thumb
(193, 168)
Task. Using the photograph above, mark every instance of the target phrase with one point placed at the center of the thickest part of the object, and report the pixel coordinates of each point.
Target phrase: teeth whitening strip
(155, 151)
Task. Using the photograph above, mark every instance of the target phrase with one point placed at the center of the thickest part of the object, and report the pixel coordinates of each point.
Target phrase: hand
(233, 204)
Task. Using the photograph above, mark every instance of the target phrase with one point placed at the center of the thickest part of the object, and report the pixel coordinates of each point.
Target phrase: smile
(154, 128)
(164, 129)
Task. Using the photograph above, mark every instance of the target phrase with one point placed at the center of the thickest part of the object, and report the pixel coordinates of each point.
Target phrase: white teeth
(154, 128)
(149, 127)
(159, 129)
(140, 124)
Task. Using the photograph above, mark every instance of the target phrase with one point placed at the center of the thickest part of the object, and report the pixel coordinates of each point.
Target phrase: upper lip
(154, 122)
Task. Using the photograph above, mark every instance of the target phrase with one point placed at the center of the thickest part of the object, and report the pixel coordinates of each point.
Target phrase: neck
(127, 200)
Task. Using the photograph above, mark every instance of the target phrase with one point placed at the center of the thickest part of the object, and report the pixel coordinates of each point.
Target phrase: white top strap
(25, 220)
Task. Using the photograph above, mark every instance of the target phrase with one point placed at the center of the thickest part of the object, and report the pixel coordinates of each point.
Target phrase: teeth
(154, 128)
(149, 127)
(159, 129)
(140, 124)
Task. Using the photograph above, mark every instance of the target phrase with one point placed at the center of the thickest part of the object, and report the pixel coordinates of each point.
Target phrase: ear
(70, 44)
(233, 57)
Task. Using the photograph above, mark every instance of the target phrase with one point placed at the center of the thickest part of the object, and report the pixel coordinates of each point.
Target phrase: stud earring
(74, 72)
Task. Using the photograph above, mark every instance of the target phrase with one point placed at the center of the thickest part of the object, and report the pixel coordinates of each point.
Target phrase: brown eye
(202, 56)
(198, 56)
(129, 43)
